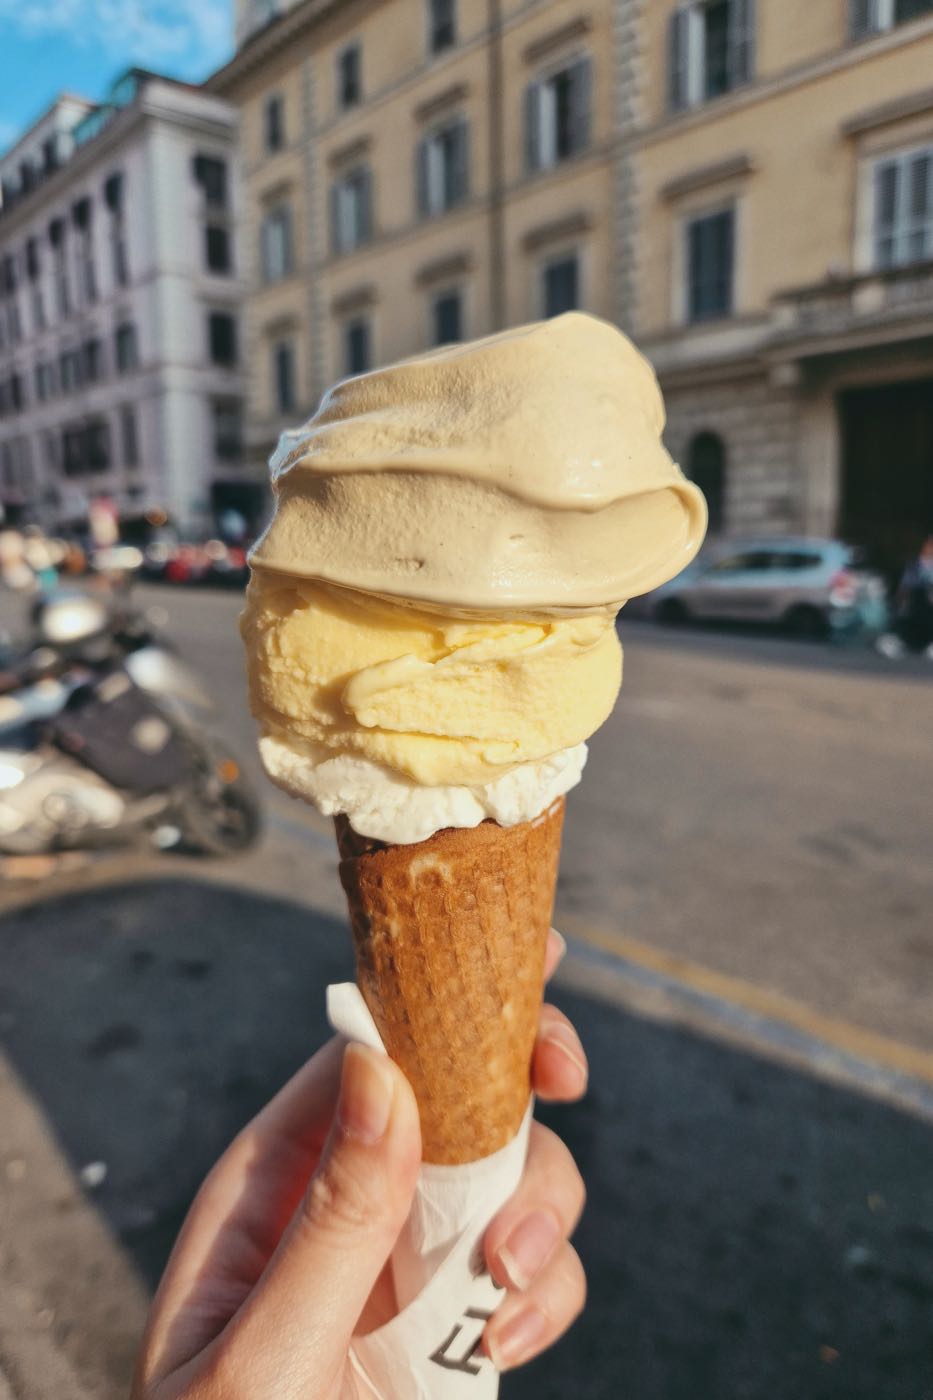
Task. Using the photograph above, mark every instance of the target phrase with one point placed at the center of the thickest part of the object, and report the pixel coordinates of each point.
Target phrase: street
(745, 887)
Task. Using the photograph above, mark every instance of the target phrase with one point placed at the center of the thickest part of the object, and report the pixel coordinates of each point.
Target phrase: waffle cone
(450, 937)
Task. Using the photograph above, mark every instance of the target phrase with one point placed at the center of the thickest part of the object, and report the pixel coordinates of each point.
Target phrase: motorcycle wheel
(220, 814)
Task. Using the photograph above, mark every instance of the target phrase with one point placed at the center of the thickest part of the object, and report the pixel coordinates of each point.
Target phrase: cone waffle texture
(450, 937)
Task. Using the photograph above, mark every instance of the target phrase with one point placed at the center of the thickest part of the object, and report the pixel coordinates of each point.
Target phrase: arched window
(706, 465)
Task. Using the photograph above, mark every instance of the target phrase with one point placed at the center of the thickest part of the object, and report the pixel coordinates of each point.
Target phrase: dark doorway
(886, 498)
(706, 466)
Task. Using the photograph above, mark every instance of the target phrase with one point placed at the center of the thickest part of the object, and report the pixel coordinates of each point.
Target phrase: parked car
(809, 587)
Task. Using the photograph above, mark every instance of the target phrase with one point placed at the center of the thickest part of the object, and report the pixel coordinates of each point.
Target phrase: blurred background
(210, 213)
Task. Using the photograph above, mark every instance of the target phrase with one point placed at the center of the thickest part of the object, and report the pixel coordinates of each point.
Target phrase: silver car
(810, 587)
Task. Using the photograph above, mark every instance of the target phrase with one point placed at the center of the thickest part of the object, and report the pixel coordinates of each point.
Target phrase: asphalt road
(746, 885)
(760, 807)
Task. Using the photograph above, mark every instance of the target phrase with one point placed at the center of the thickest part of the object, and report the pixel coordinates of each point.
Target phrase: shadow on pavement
(751, 1232)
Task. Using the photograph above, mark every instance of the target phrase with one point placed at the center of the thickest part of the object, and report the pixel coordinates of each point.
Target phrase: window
(84, 251)
(868, 17)
(557, 115)
(69, 370)
(275, 123)
(128, 435)
(86, 448)
(276, 243)
(561, 279)
(283, 375)
(711, 49)
(706, 465)
(93, 361)
(448, 318)
(351, 210)
(227, 425)
(34, 273)
(349, 84)
(211, 174)
(356, 346)
(903, 212)
(217, 249)
(62, 285)
(126, 350)
(113, 197)
(442, 25)
(17, 393)
(222, 338)
(42, 382)
(14, 321)
(443, 168)
(710, 271)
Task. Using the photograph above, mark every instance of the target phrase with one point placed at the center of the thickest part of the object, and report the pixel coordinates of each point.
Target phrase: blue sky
(50, 46)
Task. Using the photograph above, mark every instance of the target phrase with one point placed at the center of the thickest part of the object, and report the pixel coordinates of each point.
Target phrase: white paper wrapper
(430, 1351)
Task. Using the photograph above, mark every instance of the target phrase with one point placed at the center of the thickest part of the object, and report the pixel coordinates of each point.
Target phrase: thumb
(298, 1322)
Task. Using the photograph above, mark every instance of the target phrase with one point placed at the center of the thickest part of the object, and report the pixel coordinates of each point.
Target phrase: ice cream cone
(450, 937)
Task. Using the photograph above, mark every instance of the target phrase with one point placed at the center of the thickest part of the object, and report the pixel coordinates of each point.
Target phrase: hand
(282, 1259)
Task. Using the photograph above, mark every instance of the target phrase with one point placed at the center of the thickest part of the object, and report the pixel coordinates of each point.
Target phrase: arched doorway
(706, 466)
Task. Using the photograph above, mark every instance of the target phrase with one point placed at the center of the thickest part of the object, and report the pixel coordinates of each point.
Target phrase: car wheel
(806, 621)
(672, 612)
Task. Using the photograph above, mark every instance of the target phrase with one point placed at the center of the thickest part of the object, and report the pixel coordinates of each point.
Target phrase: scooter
(107, 737)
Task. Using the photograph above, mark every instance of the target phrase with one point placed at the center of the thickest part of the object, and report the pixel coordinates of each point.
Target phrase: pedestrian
(913, 629)
(282, 1258)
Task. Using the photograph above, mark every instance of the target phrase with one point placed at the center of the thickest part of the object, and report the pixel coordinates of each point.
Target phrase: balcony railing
(846, 306)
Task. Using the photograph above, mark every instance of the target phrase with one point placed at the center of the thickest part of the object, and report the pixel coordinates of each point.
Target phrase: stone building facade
(419, 171)
(784, 285)
(121, 284)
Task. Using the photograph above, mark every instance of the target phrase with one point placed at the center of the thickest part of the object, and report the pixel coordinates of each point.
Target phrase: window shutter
(533, 126)
(581, 103)
(264, 249)
(861, 18)
(741, 42)
(461, 155)
(365, 228)
(421, 176)
(286, 221)
(335, 219)
(678, 59)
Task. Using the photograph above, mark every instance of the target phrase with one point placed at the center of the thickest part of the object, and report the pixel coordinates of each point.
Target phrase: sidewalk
(71, 1303)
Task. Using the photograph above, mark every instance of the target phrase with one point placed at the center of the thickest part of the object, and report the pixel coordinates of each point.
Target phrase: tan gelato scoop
(520, 473)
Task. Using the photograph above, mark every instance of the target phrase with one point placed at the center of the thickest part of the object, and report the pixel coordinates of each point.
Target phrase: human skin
(282, 1259)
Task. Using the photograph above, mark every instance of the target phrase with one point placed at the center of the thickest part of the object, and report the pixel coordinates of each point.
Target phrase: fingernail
(528, 1247)
(561, 942)
(365, 1095)
(514, 1341)
(566, 1040)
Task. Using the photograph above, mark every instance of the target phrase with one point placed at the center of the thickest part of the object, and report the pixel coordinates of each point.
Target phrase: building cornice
(124, 125)
(557, 39)
(268, 42)
(731, 168)
(571, 225)
(912, 104)
(441, 102)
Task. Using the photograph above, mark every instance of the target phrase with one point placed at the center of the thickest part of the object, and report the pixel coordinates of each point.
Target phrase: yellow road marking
(842, 1035)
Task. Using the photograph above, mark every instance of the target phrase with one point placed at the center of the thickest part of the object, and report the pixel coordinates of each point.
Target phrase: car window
(753, 561)
(799, 560)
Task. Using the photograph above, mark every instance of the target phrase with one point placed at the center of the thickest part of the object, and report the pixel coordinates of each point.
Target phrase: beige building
(784, 265)
(748, 187)
(418, 171)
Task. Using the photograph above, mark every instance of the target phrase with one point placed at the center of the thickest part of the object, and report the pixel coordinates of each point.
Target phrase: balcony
(852, 313)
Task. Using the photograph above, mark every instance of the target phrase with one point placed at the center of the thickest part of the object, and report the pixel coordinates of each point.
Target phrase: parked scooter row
(107, 737)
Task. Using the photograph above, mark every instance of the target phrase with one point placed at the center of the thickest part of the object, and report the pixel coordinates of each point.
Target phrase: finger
(341, 1235)
(542, 1213)
(559, 1069)
(526, 1324)
(240, 1212)
(554, 956)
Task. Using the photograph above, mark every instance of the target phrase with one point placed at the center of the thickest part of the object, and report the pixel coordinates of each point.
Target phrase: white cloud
(194, 37)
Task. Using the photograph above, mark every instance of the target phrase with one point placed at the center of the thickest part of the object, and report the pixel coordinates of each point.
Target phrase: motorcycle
(107, 737)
